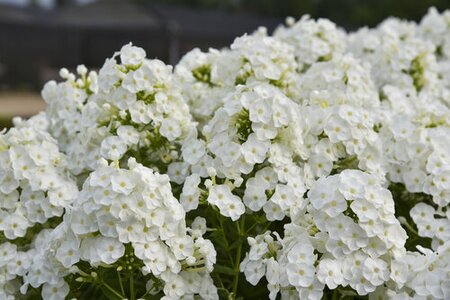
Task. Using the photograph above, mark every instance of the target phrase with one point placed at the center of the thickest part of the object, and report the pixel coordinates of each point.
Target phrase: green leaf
(235, 244)
(109, 294)
(224, 270)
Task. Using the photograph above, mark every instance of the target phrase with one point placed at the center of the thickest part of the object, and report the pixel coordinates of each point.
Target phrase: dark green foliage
(417, 71)
(5, 122)
(244, 125)
(147, 98)
(203, 74)
(404, 201)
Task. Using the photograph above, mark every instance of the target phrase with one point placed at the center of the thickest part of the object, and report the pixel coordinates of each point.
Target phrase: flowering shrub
(308, 164)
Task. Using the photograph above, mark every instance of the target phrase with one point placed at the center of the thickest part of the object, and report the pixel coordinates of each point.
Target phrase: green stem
(146, 293)
(132, 295)
(120, 283)
(409, 227)
(236, 270)
(222, 287)
(266, 227)
(251, 228)
(116, 293)
(219, 217)
(335, 294)
(241, 230)
(137, 154)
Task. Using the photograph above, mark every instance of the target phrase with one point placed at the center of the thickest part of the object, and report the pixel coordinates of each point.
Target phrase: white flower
(190, 202)
(421, 213)
(7, 252)
(324, 192)
(122, 98)
(82, 223)
(9, 200)
(320, 165)
(442, 229)
(254, 150)
(399, 272)
(273, 271)
(122, 183)
(113, 147)
(273, 211)
(375, 271)
(20, 264)
(329, 272)
(254, 270)
(337, 226)
(376, 247)
(15, 226)
(228, 204)
(301, 253)
(208, 290)
(337, 129)
(170, 129)
(100, 177)
(361, 284)
(300, 274)
(232, 207)
(231, 155)
(109, 250)
(182, 247)
(402, 128)
(178, 171)
(314, 291)
(414, 180)
(352, 183)
(140, 112)
(336, 206)
(364, 210)
(254, 197)
(68, 253)
(55, 291)
(130, 231)
(107, 225)
(193, 151)
(131, 55)
(268, 178)
(175, 287)
(354, 237)
(427, 228)
(198, 226)
(128, 134)
(337, 247)
(260, 111)
(284, 197)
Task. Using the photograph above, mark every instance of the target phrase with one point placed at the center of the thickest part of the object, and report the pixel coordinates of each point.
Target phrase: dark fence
(34, 44)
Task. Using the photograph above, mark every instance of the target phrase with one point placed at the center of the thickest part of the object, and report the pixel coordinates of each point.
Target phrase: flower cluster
(34, 185)
(347, 235)
(311, 163)
(423, 273)
(129, 109)
(35, 191)
(313, 41)
(135, 206)
(431, 223)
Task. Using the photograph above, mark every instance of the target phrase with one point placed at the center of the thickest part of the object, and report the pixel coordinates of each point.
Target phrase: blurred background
(38, 37)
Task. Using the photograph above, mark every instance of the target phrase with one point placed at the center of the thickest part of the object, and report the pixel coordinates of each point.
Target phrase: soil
(24, 104)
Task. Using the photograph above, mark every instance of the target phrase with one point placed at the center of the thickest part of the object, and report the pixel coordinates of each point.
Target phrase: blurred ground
(24, 104)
